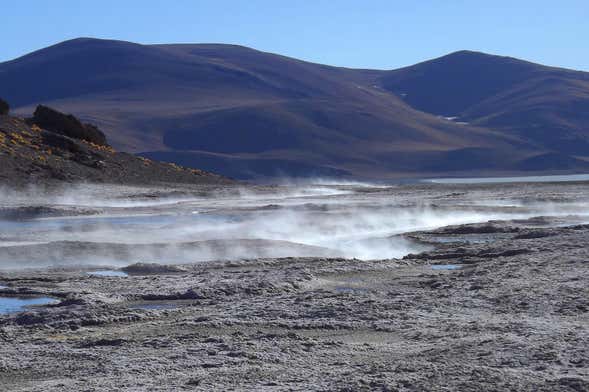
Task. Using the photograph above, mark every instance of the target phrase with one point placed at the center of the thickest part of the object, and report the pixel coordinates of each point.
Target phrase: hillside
(30, 154)
(246, 113)
(545, 106)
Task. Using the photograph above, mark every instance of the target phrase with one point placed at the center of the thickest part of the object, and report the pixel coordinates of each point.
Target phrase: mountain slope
(30, 154)
(247, 113)
(546, 106)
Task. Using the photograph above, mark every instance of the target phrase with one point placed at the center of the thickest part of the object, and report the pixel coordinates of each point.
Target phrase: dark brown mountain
(248, 114)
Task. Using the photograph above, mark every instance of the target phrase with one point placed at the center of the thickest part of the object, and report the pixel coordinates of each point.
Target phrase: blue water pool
(20, 304)
(119, 274)
(446, 267)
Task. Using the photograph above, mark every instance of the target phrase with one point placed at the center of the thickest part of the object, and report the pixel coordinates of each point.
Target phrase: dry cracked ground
(504, 312)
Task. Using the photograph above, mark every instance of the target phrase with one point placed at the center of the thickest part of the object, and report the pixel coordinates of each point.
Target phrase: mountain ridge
(237, 104)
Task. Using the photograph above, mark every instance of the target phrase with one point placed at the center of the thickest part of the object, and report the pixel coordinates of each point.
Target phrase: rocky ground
(31, 155)
(500, 306)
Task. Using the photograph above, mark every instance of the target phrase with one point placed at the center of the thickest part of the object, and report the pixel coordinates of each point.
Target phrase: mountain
(546, 106)
(248, 114)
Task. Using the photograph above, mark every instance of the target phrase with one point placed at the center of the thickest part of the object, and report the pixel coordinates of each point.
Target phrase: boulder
(152, 268)
(4, 107)
(67, 125)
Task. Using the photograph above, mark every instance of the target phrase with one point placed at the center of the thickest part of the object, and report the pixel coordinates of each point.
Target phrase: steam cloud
(131, 225)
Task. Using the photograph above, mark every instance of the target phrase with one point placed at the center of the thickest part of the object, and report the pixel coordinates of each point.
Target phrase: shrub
(67, 125)
(4, 107)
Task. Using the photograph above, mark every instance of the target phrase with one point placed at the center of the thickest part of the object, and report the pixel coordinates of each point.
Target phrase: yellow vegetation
(176, 167)
(98, 147)
(17, 138)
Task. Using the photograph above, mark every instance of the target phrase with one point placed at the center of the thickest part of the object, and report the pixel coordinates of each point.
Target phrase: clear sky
(381, 34)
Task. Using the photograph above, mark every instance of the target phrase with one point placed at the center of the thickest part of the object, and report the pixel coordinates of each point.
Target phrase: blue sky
(367, 34)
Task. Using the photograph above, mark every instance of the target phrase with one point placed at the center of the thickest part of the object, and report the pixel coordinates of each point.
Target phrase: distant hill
(246, 113)
(545, 106)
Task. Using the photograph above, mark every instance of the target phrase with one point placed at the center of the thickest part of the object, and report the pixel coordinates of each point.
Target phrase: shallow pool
(115, 273)
(491, 180)
(351, 290)
(446, 267)
(20, 304)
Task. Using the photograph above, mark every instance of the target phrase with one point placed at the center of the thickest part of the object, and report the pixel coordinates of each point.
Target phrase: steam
(122, 225)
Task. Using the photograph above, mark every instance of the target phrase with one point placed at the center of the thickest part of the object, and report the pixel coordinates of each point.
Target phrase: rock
(61, 142)
(575, 384)
(67, 125)
(477, 228)
(533, 234)
(27, 212)
(152, 268)
(4, 107)
(103, 343)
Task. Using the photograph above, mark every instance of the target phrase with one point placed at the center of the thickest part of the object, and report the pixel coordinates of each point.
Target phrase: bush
(67, 125)
(4, 107)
